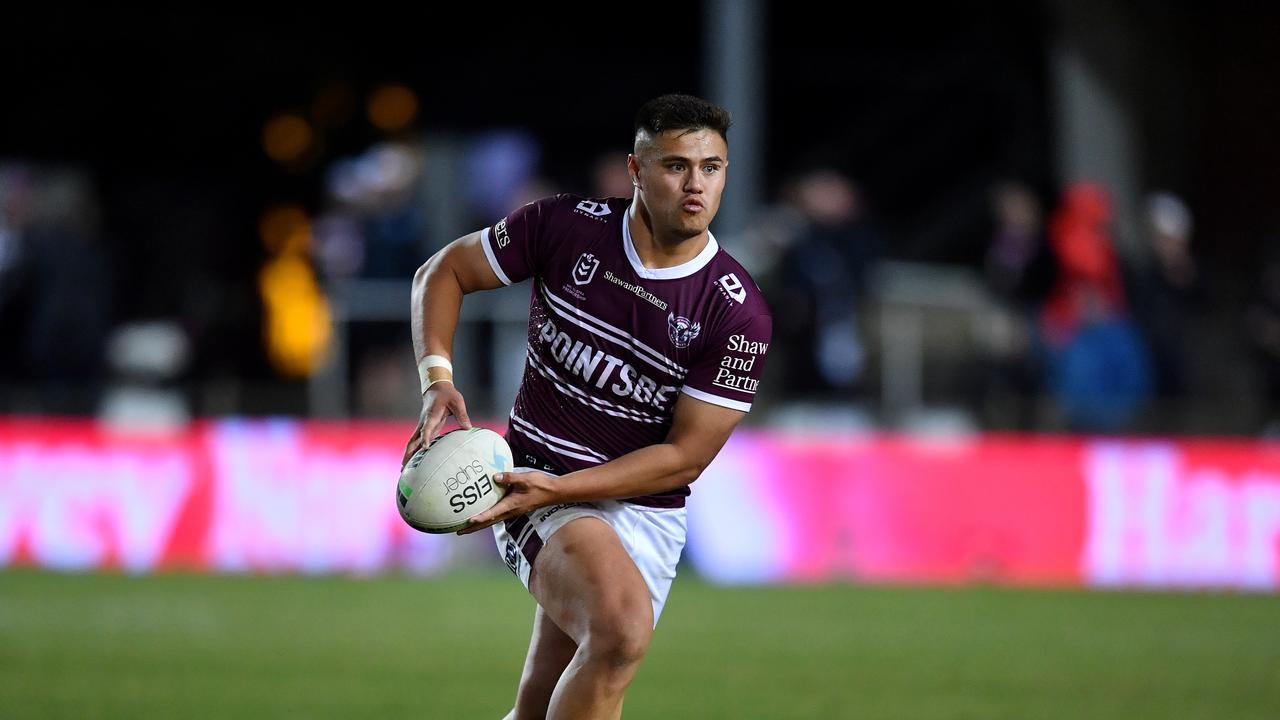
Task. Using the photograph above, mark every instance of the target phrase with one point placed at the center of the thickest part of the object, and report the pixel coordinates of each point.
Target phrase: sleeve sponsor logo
(500, 235)
(732, 288)
(681, 331)
(593, 209)
(729, 380)
(734, 372)
(585, 269)
(740, 343)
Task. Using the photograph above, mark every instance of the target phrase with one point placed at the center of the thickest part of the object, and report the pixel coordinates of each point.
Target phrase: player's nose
(693, 183)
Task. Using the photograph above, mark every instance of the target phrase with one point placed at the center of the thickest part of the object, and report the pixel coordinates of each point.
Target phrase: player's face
(681, 175)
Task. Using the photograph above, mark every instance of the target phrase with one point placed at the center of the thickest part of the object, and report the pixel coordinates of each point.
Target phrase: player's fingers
(411, 447)
(460, 413)
(434, 420)
(479, 522)
(414, 445)
(502, 510)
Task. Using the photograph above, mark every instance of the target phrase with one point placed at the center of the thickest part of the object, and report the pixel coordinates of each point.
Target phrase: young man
(646, 344)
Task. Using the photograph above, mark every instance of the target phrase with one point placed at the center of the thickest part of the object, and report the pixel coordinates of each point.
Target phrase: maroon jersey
(612, 343)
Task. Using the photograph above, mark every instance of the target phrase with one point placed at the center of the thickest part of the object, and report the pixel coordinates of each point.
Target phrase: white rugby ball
(451, 480)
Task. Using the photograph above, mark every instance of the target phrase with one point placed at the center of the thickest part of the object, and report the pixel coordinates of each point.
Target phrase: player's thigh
(589, 585)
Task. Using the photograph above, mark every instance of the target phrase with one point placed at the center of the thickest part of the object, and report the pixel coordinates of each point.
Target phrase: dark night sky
(166, 111)
(917, 111)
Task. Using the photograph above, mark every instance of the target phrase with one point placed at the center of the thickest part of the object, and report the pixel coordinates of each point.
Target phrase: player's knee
(621, 640)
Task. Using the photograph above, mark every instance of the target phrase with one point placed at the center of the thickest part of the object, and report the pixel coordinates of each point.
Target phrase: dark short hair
(682, 112)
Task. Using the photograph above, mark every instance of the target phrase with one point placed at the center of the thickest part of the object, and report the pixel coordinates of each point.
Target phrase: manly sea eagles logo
(585, 269)
(681, 331)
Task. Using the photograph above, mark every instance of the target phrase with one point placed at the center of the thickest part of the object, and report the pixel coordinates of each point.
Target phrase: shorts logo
(546, 513)
(585, 269)
(511, 554)
(593, 208)
(732, 287)
(500, 235)
(681, 331)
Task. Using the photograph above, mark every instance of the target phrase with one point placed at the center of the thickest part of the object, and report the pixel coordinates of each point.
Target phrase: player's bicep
(700, 428)
(466, 258)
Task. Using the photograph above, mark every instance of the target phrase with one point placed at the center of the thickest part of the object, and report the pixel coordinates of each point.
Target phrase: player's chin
(692, 225)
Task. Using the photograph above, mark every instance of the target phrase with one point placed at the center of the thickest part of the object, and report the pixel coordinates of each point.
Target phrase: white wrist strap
(433, 369)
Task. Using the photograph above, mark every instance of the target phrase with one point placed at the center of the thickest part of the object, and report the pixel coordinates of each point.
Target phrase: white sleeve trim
(493, 259)
(716, 399)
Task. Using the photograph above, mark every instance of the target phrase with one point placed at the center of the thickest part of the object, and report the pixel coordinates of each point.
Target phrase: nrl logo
(681, 331)
(585, 269)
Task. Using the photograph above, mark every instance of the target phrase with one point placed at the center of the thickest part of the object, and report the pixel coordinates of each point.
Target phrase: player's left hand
(526, 491)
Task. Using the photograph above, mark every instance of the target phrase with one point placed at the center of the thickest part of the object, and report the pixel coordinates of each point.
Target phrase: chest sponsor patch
(638, 290)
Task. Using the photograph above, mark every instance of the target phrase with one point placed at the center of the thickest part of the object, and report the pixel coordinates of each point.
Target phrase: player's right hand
(439, 401)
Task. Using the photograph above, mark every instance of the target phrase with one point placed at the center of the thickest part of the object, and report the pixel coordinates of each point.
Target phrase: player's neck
(655, 250)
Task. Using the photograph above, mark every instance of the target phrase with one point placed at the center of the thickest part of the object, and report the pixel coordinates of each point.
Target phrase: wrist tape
(433, 369)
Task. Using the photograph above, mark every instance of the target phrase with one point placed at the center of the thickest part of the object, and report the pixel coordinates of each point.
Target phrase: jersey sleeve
(515, 244)
(729, 370)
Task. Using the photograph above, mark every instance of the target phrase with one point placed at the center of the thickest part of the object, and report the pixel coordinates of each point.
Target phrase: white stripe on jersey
(715, 399)
(605, 329)
(589, 400)
(537, 435)
(493, 259)
(730, 387)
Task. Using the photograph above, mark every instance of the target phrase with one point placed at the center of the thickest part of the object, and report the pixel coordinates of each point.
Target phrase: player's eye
(677, 167)
(711, 169)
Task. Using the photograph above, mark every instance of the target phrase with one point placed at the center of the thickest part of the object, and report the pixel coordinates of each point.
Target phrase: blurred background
(1023, 258)
(963, 221)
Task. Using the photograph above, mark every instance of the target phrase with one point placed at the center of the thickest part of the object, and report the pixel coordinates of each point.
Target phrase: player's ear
(633, 169)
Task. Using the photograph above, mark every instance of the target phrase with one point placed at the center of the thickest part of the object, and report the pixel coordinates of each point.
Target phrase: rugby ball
(451, 480)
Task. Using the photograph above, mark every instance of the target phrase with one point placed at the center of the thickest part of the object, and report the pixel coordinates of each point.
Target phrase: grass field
(179, 646)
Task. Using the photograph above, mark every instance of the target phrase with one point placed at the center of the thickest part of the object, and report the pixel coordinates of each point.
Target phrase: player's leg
(589, 586)
(550, 650)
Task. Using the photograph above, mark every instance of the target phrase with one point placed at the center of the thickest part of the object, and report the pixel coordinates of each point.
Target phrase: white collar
(667, 273)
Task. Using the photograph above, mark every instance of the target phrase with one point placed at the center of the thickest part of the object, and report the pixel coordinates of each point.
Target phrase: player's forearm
(646, 471)
(435, 302)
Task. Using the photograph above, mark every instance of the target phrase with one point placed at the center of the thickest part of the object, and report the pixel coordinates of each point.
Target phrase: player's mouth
(693, 206)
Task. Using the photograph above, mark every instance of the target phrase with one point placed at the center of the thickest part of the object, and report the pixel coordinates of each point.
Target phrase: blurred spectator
(1098, 367)
(54, 286)
(537, 187)
(1018, 267)
(15, 202)
(1018, 270)
(822, 276)
(499, 165)
(1264, 332)
(1167, 291)
(610, 177)
(375, 225)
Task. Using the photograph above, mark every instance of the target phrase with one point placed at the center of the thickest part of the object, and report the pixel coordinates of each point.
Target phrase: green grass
(178, 646)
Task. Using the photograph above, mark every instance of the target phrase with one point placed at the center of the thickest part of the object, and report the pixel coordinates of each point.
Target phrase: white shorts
(653, 537)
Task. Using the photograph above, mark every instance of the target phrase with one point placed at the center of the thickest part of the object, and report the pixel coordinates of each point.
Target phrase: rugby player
(645, 347)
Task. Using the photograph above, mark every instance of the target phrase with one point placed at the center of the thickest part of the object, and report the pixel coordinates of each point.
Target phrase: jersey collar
(668, 273)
